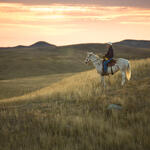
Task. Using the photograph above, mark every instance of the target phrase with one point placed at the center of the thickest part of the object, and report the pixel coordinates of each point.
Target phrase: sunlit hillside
(72, 114)
(85, 83)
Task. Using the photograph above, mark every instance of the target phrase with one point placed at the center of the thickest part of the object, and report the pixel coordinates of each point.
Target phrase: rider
(108, 57)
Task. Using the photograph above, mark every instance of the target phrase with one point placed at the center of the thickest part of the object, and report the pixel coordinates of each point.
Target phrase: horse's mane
(97, 56)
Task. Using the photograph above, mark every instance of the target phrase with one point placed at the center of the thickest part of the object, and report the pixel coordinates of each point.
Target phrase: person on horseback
(108, 57)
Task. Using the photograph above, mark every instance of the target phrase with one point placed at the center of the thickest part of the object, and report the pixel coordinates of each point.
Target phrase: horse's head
(89, 57)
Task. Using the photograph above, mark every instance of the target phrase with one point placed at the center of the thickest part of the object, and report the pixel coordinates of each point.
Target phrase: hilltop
(39, 44)
(42, 44)
(135, 43)
(127, 42)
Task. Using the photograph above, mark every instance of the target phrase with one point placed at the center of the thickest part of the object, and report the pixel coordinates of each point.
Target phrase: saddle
(112, 63)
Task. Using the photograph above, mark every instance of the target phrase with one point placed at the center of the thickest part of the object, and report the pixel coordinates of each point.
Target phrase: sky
(64, 22)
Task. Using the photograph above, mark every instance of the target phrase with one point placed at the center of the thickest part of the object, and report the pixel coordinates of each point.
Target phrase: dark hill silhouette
(20, 46)
(42, 44)
(39, 44)
(127, 43)
(135, 43)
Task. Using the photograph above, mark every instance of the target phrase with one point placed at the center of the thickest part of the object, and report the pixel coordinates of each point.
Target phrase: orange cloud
(69, 13)
(136, 23)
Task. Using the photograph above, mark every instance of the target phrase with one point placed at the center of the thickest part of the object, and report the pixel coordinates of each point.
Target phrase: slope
(72, 114)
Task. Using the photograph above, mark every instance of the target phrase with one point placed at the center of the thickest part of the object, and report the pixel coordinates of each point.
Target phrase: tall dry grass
(73, 115)
(85, 85)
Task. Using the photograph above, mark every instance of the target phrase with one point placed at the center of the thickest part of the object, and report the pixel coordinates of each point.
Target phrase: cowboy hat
(109, 43)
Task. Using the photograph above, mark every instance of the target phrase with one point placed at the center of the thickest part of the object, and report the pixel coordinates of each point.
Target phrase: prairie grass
(20, 86)
(72, 114)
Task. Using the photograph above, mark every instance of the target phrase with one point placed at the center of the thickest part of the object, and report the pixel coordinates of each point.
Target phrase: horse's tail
(128, 71)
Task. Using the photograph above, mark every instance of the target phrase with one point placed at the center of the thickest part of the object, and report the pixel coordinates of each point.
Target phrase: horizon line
(11, 46)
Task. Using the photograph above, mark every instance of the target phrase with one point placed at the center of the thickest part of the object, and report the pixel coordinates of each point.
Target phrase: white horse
(122, 65)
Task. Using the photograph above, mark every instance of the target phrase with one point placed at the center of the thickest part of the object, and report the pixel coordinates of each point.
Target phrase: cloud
(136, 23)
(42, 14)
(126, 3)
(72, 22)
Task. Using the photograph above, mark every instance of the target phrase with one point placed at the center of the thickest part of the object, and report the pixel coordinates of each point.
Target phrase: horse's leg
(123, 78)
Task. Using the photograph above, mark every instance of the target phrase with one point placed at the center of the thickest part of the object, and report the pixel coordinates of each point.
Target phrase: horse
(122, 65)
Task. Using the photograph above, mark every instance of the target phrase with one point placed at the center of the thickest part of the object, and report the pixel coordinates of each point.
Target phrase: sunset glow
(68, 24)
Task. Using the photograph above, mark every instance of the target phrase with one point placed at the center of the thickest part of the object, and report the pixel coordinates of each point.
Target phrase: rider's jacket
(110, 53)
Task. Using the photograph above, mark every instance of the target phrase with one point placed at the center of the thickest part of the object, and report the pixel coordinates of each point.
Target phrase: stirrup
(105, 74)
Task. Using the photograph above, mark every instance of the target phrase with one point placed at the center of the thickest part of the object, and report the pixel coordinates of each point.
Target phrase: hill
(26, 69)
(42, 44)
(135, 43)
(39, 44)
(49, 99)
(27, 62)
(43, 59)
(72, 114)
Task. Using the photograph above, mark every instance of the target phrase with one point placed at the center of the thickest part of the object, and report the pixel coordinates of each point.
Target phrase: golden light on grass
(73, 113)
(83, 85)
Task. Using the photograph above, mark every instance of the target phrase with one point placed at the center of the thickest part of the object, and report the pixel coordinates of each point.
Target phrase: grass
(25, 70)
(21, 86)
(72, 114)
(34, 62)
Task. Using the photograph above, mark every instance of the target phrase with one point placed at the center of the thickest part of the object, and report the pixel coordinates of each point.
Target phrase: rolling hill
(135, 43)
(72, 114)
(39, 44)
(42, 44)
(42, 58)
(29, 68)
(49, 99)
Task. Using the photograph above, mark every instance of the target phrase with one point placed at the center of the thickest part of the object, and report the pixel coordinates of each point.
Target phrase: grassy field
(72, 114)
(20, 86)
(24, 70)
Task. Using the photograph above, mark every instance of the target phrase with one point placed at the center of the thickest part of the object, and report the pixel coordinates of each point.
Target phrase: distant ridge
(20, 46)
(39, 44)
(42, 44)
(135, 43)
(127, 42)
